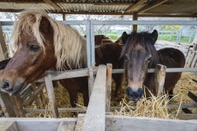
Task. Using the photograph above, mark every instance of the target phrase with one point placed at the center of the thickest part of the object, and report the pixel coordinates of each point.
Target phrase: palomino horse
(140, 54)
(42, 43)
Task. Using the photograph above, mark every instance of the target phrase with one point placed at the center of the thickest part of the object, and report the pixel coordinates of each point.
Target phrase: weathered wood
(60, 110)
(160, 74)
(90, 80)
(8, 126)
(193, 62)
(25, 92)
(95, 115)
(123, 123)
(33, 96)
(51, 95)
(80, 122)
(67, 126)
(17, 105)
(6, 105)
(38, 124)
(184, 116)
(3, 47)
(108, 86)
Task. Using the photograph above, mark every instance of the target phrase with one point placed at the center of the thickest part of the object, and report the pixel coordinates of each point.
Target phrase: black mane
(146, 41)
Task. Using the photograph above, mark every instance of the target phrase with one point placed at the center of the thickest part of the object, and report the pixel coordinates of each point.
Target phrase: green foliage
(112, 36)
(171, 27)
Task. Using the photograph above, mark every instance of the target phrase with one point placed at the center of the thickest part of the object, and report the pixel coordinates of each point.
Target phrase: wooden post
(17, 105)
(91, 80)
(95, 116)
(3, 47)
(50, 91)
(64, 16)
(160, 74)
(108, 87)
(135, 17)
(6, 105)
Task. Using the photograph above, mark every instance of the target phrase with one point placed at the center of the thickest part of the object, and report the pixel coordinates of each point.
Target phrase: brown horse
(42, 43)
(101, 39)
(110, 53)
(140, 54)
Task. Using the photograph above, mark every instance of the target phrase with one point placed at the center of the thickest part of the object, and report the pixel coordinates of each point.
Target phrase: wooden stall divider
(51, 95)
(160, 75)
(108, 87)
(95, 116)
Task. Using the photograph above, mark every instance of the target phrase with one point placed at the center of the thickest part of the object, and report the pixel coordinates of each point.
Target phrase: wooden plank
(33, 96)
(189, 60)
(80, 122)
(17, 105)
(91, 80)
(6, 105)
(60, 110)
(160, 74)
(124, 123)
(193, 62)
(58, 75)
(3, 47)
(66, 126)
(95, 115)
(38, 124)
(136, 6)
(8, 126)
(51, 95)
(184, 116)
(54, 5)
(109, 82)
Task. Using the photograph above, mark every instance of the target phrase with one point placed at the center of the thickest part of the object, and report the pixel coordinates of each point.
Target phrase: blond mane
(70, 47)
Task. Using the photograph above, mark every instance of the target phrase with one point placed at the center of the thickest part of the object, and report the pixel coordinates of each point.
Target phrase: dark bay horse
(42, 43)
(140, 54)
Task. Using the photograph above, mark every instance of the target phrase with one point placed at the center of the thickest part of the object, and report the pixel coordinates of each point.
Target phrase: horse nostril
(134, 95)
(6, 86)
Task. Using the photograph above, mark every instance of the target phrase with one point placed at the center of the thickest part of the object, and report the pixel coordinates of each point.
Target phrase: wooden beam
(95, 116)
(51, 96)
(136, 6)
(54, 5)
(148, 7)
(135, 17)
(69, 2)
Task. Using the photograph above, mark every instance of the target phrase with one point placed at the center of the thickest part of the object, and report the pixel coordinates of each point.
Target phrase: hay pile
(157, 107)
(154, 107)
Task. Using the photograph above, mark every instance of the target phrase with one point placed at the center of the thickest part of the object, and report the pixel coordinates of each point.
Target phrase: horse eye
(149, 59)
(34, 47)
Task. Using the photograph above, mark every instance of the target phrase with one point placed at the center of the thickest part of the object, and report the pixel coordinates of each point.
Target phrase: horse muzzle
(11, 88)
(134, 95)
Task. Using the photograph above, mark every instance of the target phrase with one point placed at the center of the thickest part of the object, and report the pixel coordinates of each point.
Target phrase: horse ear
(154, 35)
(45, 26)
(124, 37)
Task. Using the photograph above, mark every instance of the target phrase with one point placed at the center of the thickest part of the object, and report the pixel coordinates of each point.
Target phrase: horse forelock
(145, 40)
(70, 47)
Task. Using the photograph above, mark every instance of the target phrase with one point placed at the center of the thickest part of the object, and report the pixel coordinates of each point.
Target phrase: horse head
(31, 58)
(139, 54)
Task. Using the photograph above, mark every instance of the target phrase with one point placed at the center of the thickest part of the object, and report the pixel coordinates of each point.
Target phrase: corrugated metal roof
(112, 7)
